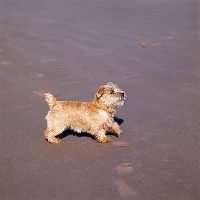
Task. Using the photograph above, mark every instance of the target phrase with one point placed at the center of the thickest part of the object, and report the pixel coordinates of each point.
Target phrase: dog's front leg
(50, 136)
(115, 129)
(101, 137)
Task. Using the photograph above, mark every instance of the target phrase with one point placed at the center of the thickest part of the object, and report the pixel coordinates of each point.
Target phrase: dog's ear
(100, 92)
(110, 83)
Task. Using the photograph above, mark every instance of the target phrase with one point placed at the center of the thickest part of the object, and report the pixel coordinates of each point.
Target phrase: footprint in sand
(125, 191)
(5, 63)
(144, 179)
(39, 75)
(166, 160)
(121, 143)
(147, 44)
(167, 175)
(125, 168)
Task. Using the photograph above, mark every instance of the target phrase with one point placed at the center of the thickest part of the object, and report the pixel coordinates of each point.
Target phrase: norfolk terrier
(96, 117)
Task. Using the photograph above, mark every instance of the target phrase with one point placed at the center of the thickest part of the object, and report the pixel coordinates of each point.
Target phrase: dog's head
(110, 95)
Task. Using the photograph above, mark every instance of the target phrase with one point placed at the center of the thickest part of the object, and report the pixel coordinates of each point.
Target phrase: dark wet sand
(70, 48)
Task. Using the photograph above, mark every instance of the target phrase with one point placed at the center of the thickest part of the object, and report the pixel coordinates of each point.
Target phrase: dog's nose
(123, 95)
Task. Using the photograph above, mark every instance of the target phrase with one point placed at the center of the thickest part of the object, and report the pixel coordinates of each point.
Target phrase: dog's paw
(54, 140)
(104, 140)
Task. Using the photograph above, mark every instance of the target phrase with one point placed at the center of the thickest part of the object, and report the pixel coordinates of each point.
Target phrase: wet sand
(70, 48)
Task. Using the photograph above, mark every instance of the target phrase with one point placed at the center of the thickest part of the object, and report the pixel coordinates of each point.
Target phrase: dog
(95, 118)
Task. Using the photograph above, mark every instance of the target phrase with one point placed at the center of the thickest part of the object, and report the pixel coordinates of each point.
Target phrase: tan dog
(96, 117)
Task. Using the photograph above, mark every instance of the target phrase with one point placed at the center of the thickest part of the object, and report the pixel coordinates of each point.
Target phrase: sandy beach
(71, 47)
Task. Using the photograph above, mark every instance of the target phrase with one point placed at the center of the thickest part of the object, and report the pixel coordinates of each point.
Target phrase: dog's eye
(112, 92)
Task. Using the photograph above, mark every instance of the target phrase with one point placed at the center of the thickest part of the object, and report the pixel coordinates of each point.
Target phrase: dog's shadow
(85, 134)
(118, 120)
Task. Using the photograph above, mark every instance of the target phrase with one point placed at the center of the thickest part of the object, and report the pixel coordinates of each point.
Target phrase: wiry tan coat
(96, 117)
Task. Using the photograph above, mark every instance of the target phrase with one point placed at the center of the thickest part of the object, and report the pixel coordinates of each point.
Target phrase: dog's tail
(50, 99)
